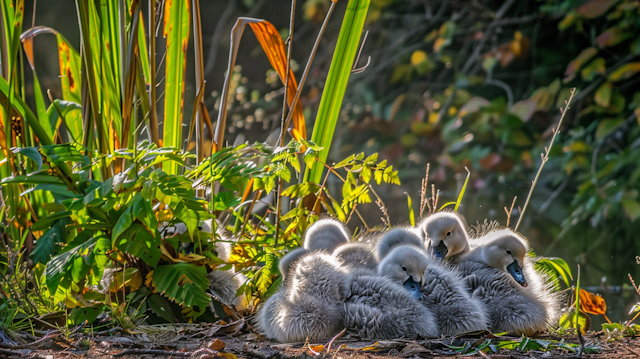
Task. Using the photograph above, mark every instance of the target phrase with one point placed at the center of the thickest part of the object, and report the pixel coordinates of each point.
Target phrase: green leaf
(605, 127)
(123, 223)
(48, 244)
(631, 208)
(31, 153)
(624, 72)
(48, 220)
(183, 283)
(161, 307)
(80, 315)
(139, 242)
(603, 94)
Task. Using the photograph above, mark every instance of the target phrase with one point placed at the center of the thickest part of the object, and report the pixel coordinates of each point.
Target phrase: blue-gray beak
(440, 251)
(516, 272)
(413, 287)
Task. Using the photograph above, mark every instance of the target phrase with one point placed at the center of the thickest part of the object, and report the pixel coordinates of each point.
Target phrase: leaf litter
(237, 340)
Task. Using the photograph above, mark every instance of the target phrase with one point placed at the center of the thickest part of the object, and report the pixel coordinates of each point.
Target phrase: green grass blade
(69, 61)
(464, 188)
(412, 216)
(176, 31)
(336, 83)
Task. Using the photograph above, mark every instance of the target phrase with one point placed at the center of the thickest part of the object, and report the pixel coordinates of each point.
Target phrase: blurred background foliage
(451, 83)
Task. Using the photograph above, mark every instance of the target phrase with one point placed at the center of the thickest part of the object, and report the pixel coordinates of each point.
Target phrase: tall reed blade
(336, 84)
(176, 31)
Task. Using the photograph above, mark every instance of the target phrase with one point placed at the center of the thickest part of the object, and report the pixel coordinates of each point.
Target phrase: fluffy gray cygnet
(437, 287)
(357, 255)
(499, 273)
(326, 235)
(397, 237)
(445, 234)
(311, 305)
(378, 308)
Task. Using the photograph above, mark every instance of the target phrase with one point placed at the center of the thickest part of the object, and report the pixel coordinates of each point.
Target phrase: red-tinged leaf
(612, 37)
(595, 8)
(624, 72)
(271, 42)
(575, 65)
(603, 94)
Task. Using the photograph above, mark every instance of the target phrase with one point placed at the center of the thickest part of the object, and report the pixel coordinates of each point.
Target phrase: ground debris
(232, 341)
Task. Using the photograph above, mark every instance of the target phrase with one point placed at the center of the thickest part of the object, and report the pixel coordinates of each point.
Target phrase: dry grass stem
(423, 192)
(509, 211)
(545, 156)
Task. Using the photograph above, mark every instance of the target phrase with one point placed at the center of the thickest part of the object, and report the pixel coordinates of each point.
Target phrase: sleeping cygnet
(499, 273)
(437, 287)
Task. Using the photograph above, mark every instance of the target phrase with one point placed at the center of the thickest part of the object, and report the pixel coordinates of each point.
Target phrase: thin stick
(284, 114)
(545, 156)
(306, 70)
(510, 210)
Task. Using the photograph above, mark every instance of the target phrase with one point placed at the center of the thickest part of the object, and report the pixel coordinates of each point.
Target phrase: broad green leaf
(123, 223)
(336, 83)
(603, 94)
(31, 153)
(49, 243)
(139, 242)
(161, 307)
(60, 266)
(80, 315)
(183, 283)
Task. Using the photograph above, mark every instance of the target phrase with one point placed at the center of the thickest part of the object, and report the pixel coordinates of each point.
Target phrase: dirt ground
(237, 340)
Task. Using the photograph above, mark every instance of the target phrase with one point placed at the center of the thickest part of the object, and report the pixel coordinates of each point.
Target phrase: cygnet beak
(413, 287)
(440, 251)
(516, 272)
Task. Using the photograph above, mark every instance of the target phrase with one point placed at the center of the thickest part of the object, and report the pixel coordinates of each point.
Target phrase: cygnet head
(504, 250)
(405, 265)
(445, 232)
(325, 235)
(397, 237)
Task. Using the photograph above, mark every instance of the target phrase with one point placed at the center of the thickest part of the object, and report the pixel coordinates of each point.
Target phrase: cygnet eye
(404, 269)
(448, 234)
(508, 251)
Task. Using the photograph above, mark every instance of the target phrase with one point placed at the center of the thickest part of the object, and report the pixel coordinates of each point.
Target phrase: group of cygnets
(426, 281)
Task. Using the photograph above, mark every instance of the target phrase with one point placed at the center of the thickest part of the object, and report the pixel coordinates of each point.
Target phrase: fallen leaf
(414, 349)
(217, 344)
